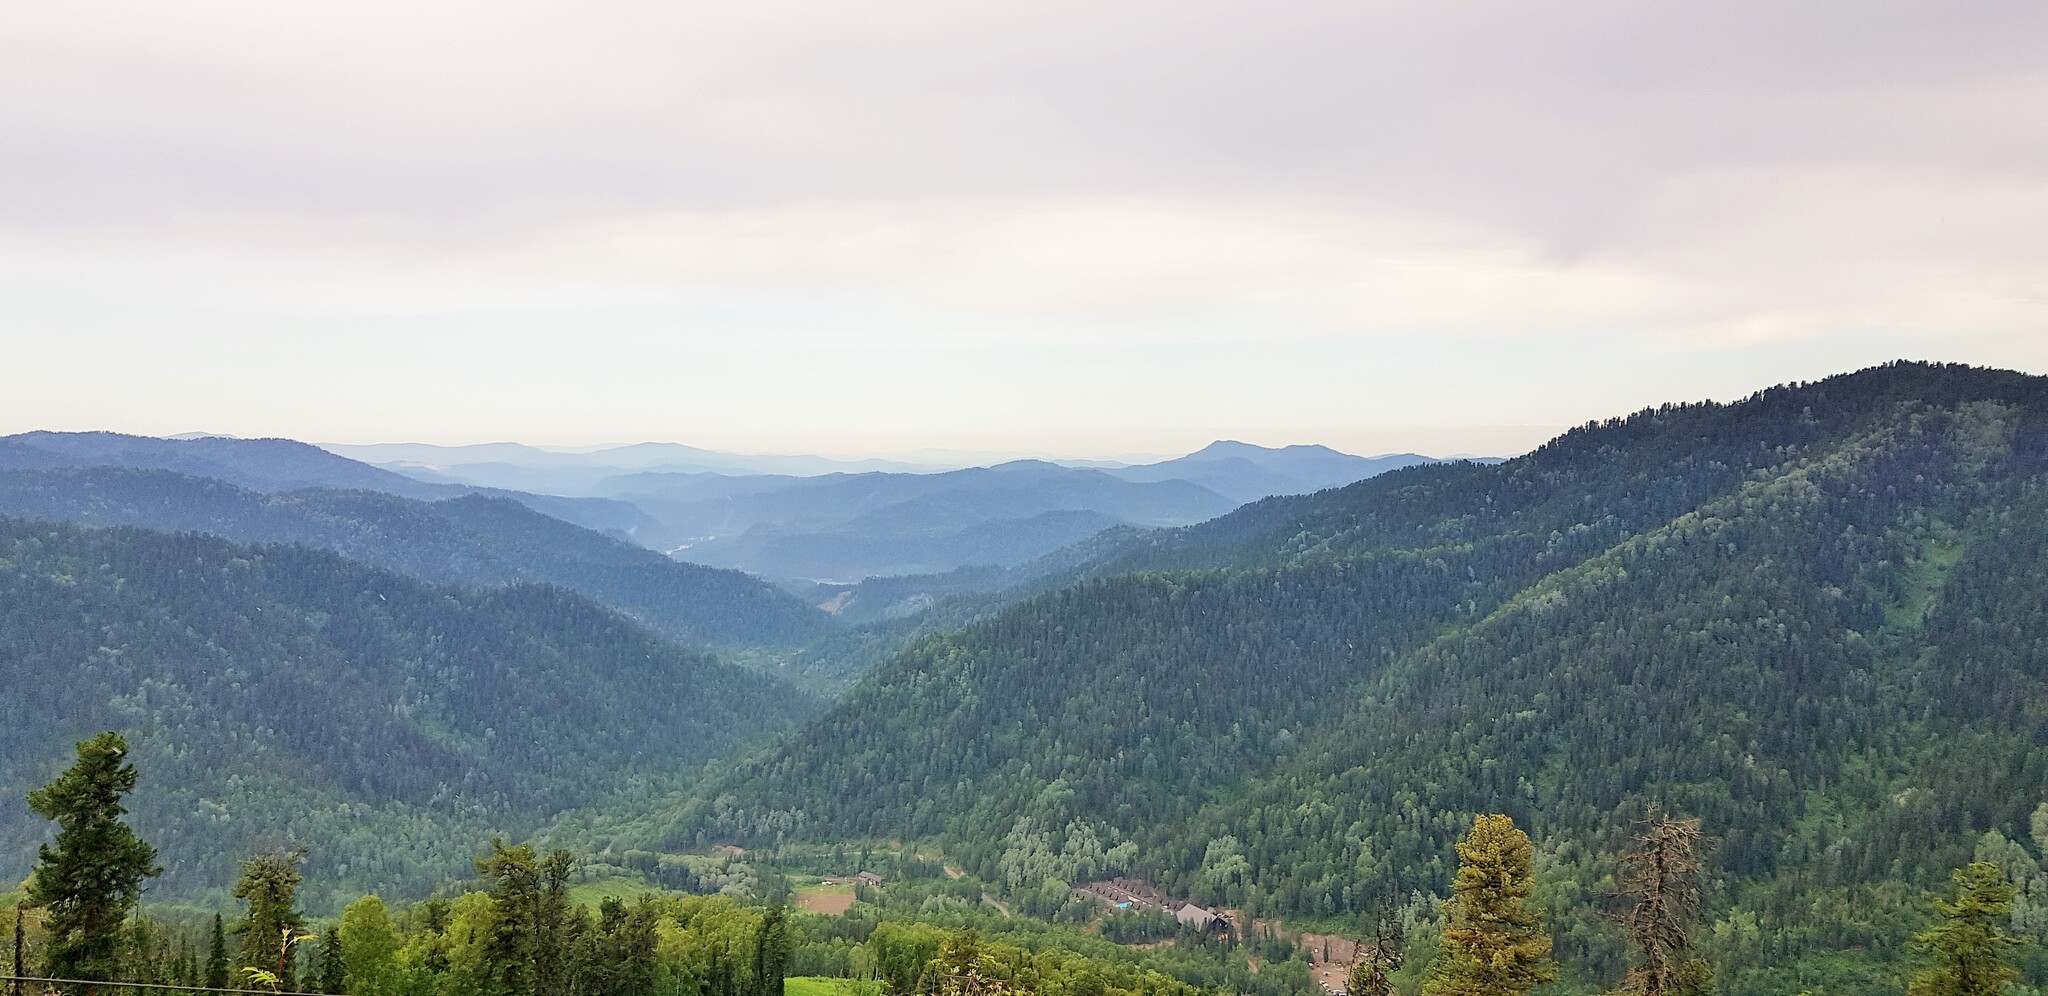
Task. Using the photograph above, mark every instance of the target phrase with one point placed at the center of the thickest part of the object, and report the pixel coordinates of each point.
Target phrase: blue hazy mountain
(1245, 472)
(274, 465)
(850, 526)
(471, 539)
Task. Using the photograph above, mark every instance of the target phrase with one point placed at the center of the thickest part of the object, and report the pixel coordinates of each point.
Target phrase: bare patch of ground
(830, 900)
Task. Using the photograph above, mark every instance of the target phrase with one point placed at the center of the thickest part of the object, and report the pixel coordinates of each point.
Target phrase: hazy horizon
(1067, 228)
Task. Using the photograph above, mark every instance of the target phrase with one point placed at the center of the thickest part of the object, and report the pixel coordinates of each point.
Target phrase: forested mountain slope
(1813, 618)
(278, 695)
(470, 540)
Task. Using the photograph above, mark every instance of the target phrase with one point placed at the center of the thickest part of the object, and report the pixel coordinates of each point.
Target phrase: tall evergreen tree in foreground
(1494, 943)
(91, 876)
(333, 966)
(217, 956)
(1969, 944)
(527, 950)
(273, 926)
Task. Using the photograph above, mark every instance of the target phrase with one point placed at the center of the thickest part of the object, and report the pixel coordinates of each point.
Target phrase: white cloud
(1765, 179)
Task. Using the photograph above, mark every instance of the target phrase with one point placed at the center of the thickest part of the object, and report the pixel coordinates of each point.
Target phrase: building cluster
(1131, 894)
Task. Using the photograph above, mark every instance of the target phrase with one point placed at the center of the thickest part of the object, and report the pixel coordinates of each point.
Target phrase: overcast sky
(1068, 227)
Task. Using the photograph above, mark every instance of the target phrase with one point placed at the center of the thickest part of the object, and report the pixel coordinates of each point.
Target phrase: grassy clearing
(614, 887)
(817, 985)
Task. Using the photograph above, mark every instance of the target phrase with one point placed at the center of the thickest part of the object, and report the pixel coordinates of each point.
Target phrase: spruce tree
(1969, 943)
(333, 970)
(90, 877)
(1494, 943)
(14, 988)
(771, 951)
(527, 952)
(217, 956)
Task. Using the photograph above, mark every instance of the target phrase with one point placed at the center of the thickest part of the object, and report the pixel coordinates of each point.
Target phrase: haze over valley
(1057, 499)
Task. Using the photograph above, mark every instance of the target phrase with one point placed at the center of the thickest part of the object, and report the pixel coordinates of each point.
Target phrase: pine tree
(272, 927)
(1494, 943)
(91, 876)
(1969, 943)
(217, 956)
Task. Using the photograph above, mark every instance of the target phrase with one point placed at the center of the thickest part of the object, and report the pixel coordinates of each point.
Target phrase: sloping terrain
(1812, 618)
(472, 540)
(271, 465)
(852, 526)
(283, 696)
(1244, 472)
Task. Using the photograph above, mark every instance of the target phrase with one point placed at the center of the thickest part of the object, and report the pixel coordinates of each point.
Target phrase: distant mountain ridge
(839, 526)
(473, 539)
(1244, 472)
(853, 526)
(781, 517)
(271, 465)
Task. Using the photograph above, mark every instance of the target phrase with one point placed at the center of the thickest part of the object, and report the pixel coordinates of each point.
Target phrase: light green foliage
(369, 948)
(2029, 917)
(1969, 945)
(1493, 940)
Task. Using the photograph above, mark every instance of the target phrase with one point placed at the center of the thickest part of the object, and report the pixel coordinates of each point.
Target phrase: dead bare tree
(1661, 873)
(1373, 968)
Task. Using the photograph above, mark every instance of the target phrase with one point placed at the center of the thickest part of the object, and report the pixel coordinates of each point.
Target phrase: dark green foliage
(217, 966)
(771, 951)
(90, 877)
(465, 540)
(333, 969)
(532, 931)
(617, 958)
(284, 694)
(271, 925)
(1813, 618)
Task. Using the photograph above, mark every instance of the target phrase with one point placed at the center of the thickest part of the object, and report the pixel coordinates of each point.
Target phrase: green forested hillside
(285, 696)
(1814, 618)
(471, 540)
